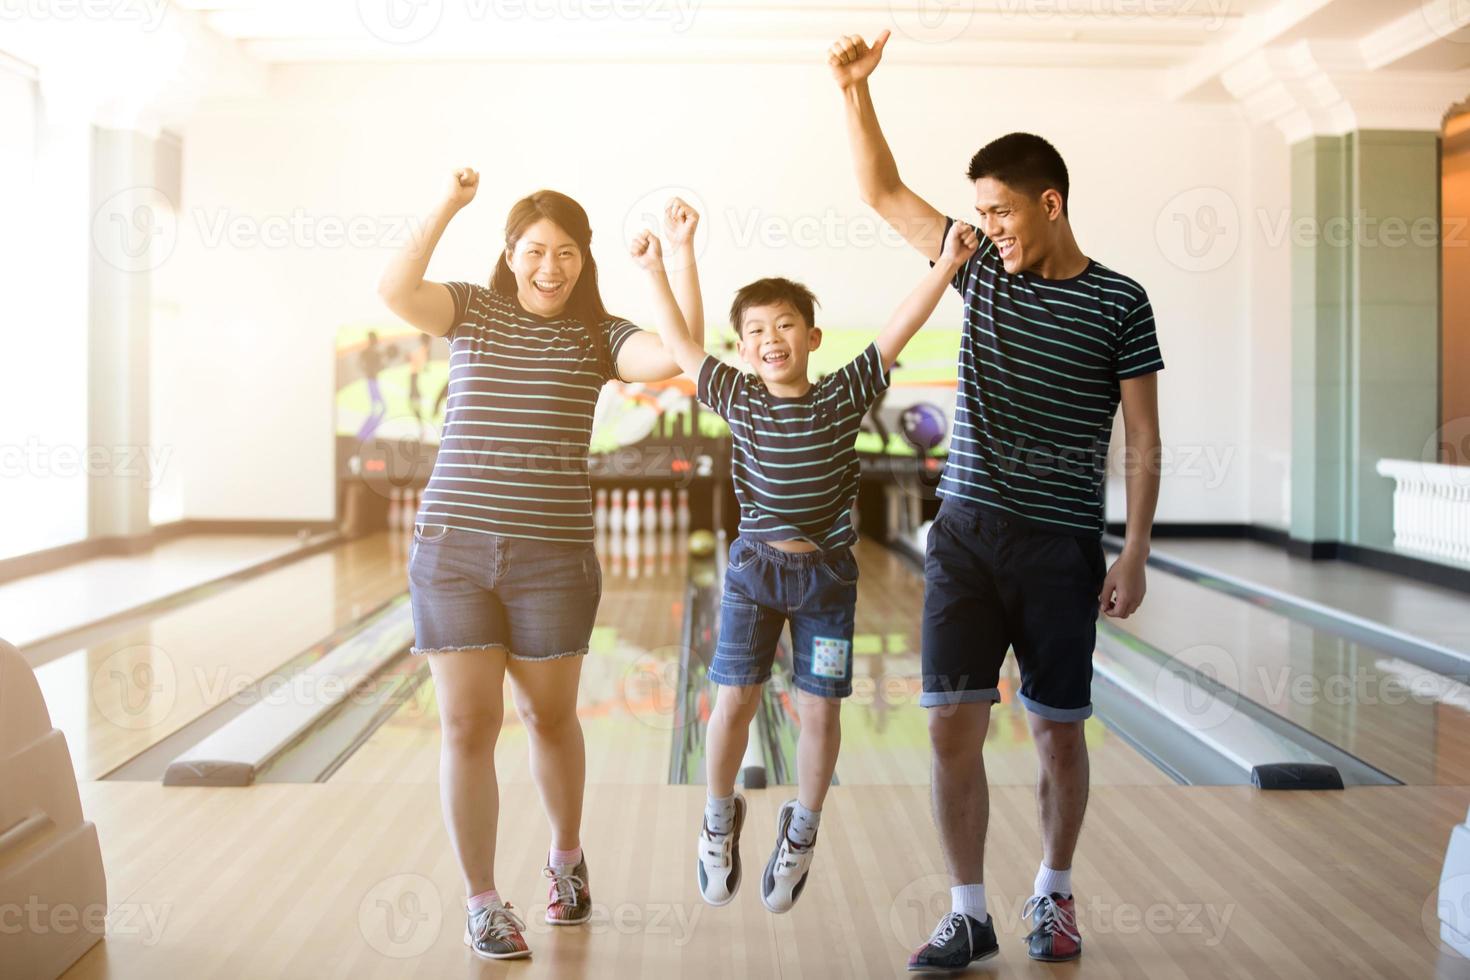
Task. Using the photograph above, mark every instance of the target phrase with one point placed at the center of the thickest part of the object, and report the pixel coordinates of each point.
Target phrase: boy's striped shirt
(794, 466)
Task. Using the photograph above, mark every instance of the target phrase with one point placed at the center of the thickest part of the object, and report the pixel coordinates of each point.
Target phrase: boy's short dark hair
(1023, 161)
(767, 292)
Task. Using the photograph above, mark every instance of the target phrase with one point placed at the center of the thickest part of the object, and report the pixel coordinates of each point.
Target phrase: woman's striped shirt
(518, 420)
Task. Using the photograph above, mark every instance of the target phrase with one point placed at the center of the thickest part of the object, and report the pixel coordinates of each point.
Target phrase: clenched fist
(852, 61)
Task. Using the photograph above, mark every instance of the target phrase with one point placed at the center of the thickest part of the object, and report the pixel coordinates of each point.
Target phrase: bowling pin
(633, 546)
(599, 510)
(615, 549)
(681, 513)
(631, 521)
(665, 551)
(650, 511)
(666, 510)
(650, 550)
(395, 510)
(615, 513)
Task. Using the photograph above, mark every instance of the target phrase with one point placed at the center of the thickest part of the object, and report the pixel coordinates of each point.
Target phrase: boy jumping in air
(796, 474)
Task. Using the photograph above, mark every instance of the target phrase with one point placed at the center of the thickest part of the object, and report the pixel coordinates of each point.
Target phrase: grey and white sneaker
(786, 871)
(495, 933)
(718, 863)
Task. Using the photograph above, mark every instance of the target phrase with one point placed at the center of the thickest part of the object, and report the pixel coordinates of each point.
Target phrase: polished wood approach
(118, 697)
(341, 879)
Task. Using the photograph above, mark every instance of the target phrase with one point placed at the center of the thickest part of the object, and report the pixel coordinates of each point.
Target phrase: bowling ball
(923, 425)
(701, 544)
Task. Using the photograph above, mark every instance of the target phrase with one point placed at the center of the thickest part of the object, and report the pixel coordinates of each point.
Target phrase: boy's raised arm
(916, 308)
(667, 317)
(680, 222)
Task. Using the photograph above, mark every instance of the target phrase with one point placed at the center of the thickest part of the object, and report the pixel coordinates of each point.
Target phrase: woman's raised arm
(424, 305)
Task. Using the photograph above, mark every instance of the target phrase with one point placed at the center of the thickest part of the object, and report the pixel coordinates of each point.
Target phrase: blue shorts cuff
(735, 680)
(1055, 714)
(935, 699)
(814, 687)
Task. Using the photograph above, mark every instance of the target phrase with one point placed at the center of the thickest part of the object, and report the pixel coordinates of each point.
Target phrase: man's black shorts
(993, 582)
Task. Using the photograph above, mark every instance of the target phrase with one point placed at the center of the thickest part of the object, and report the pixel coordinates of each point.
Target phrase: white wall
(251, 349)
(1268, 393)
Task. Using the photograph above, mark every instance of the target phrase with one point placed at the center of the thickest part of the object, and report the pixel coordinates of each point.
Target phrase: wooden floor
(39, 606)
(1439, 615)
(115, 698)
(347, 880)
(626, 698)
(1407, 722)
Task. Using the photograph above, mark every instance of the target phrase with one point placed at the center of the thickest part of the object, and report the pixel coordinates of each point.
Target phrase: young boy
(796, 474)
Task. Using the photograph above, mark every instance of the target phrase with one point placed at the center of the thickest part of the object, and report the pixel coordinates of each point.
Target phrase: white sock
(1049, 880)
(719, 813)
(969, 899)
(803, 830)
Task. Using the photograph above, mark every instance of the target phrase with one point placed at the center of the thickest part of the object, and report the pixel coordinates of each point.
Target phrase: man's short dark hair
(768, 292)
(1023, 161)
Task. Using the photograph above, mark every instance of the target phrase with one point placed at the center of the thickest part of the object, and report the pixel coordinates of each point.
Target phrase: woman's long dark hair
(585, 303)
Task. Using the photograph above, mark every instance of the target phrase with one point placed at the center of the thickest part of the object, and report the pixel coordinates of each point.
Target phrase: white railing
(1431, 507)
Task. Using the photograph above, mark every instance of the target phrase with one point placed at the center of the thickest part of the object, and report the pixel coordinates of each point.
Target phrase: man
(1052, 343)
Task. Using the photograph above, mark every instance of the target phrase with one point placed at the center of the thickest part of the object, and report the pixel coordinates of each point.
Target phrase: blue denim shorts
(764, 588)
(471, 590)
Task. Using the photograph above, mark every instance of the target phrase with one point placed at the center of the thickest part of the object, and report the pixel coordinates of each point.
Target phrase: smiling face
(776, 340)
(1023, 228)
(546, 263)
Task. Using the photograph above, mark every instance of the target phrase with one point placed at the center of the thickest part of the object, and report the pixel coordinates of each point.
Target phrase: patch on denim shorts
(829, 657)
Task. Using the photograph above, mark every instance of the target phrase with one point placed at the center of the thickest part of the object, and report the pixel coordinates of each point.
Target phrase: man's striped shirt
(518, 420)
(1039, 371)
(794, 466)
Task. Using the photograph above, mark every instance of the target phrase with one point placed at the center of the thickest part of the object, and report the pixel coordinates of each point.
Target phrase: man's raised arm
(918, 221)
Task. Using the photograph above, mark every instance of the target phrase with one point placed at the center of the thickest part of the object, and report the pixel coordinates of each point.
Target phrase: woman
(503, 577)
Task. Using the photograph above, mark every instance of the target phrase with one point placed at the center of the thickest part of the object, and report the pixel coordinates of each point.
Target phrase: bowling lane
(1407, 721)
(120, 694)
(628, 681)
(885, 738)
